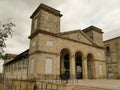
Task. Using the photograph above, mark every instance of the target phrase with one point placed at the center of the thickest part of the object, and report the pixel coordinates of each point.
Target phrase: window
(107, 49)
(25, 63)
(91, 37)
(15, 69)
(48, 66)
(8, 68)
(109, 69)
(115, 66)
(21, 65)
(33, 44)
(19, 70)
(78, 37)
(15, 65)
(109, 60)
(110, 76)
(11, 67)
(35, 23)
(100, 69)
(49, 43)
(32, 66)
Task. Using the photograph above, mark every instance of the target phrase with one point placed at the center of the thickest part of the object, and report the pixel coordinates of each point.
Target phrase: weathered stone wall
(53, 51)
(113, 57)
(48, 46)
(49, 22)
(98, 38)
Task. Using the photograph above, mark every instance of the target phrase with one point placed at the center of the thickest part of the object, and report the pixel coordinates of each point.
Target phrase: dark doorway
(78, 66)
(65, 64)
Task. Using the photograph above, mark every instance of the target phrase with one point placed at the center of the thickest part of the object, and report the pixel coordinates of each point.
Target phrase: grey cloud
(77, 14)
(111, 34)
(100, 13)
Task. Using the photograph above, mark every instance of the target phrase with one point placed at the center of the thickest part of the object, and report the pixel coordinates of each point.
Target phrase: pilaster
(72, 67)
(84, 66)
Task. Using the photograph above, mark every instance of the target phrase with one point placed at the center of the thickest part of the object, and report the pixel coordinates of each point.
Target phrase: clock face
(78, 37)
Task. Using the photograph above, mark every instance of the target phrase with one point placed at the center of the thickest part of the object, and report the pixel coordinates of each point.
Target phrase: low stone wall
(1, 86)
(36, 85)
(11, 84)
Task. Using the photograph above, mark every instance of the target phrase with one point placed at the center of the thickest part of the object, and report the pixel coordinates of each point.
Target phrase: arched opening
(90, 66)
(78, 65)
(65, 64)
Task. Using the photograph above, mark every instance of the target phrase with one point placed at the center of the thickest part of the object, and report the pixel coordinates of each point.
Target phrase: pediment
(77, 35)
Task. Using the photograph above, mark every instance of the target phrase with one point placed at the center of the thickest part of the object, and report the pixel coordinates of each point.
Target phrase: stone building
(77, 54)
(17, 67)
(112, 49)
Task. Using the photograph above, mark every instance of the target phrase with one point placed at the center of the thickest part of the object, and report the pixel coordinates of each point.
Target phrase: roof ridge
(112, 38)
(94, 28)
(66, 32)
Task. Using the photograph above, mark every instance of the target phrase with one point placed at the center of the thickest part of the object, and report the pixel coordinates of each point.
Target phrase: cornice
(99, 60)
(39, 51)
(111, 39)
(46, 8)
(58, 36)
(21, 55)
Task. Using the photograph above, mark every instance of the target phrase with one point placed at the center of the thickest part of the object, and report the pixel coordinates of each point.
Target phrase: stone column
(57, 68)
(72, 67)
(94, 74)
(84, 65)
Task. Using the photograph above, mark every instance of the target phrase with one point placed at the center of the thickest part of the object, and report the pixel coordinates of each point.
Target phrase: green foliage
(6, 30)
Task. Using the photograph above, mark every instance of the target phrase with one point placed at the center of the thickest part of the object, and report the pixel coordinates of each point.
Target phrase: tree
(6, 30)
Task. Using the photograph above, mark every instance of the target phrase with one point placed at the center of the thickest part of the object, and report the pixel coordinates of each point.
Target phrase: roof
(9, 56)
(47, 8)
(92, 28)
(68, 32)
(23, 54)
(80, 31)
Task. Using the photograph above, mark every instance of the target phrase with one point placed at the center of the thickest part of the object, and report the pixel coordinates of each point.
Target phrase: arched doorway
(65, 64)
(78, 65)
(90, 66)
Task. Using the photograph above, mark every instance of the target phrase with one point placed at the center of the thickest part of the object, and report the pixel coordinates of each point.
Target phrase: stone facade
(113, 58)
(72, 54)
(52, 54)
(18, 67)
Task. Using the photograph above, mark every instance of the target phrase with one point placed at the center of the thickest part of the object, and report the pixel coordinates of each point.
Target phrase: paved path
(108, 84)
(1, 86)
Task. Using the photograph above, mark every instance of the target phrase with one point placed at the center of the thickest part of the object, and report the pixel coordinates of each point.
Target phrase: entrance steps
(88, 84)
(96, 85)
(79, 87)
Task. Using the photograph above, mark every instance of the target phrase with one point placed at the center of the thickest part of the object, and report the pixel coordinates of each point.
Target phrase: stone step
(79, 87)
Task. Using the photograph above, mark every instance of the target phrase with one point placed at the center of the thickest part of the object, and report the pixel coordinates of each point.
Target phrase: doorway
(65, 64)
(78, 66)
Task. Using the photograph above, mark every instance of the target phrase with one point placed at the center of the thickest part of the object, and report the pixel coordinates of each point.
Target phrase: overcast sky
(77, 14)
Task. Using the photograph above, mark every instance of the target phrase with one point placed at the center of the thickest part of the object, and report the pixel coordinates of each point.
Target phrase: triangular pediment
(77, 35)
